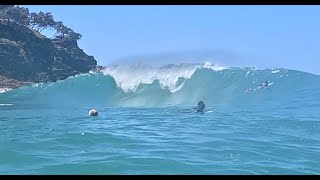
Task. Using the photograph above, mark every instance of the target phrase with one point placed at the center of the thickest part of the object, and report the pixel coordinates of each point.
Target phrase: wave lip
(129, 77)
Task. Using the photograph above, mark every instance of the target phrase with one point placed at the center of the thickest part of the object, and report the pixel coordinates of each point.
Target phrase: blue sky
(262, 36)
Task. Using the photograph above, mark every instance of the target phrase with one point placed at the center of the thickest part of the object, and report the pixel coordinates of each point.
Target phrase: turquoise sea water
(146, 125)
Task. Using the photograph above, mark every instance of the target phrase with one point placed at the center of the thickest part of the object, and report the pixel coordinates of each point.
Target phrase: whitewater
(146, 124)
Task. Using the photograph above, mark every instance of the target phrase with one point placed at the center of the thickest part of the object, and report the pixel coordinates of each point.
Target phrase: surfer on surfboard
(263, 85)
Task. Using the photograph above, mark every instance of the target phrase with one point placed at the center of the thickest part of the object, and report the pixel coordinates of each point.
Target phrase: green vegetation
(37, 21)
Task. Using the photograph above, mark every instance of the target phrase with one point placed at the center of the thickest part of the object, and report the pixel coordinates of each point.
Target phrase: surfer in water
(200, 107)
(263, 85)
(249, 90)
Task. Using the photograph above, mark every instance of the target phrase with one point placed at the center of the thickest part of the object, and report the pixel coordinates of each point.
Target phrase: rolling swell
(186, 84)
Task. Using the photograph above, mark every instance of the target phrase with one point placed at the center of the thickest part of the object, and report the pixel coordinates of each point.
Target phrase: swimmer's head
(93, 112)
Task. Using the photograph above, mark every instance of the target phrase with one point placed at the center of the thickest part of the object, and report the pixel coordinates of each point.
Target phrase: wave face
(183, 84)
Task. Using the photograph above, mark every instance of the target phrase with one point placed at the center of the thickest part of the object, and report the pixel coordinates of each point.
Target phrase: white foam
(214, 67)
(129, 77)
(6, 104)
(275, 71)
(2, 90)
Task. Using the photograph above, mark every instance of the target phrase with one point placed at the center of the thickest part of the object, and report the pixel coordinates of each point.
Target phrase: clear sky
(263, 36)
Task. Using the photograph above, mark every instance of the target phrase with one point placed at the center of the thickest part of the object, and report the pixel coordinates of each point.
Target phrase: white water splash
(129, 77)
(275, 71)
(2, 90)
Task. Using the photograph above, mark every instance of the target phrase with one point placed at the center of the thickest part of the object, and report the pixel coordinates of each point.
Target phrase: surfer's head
(200, 102)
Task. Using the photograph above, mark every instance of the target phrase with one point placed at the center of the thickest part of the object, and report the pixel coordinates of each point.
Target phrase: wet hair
(200, 102)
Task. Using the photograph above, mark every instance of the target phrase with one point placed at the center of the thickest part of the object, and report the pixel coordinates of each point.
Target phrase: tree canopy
(37, 21)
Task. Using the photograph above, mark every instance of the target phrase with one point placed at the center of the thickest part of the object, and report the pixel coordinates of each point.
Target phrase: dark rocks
(27, 57)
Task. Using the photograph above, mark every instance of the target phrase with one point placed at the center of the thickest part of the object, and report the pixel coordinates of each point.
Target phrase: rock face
(27, 57)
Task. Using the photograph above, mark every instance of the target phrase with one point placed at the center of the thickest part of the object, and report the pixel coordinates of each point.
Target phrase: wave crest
(129, 77)
(142, 85)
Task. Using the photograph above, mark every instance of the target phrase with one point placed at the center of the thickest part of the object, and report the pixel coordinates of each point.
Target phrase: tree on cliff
(75, 35)
(41, 21)
(19, 15)
(63, 31)
(38, 21)
(4, 9)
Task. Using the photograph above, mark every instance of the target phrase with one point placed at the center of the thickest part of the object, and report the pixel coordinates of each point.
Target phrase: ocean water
(146, 124)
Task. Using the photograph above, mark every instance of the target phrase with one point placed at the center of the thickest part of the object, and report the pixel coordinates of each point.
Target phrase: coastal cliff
(27, 56)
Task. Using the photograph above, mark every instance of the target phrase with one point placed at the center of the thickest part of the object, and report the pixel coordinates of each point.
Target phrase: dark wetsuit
(200, 107)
